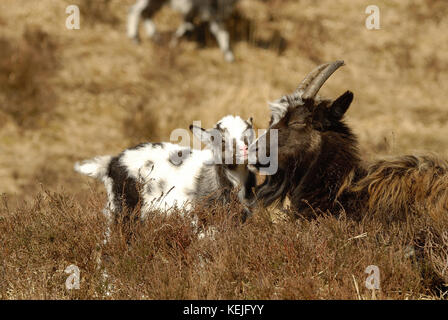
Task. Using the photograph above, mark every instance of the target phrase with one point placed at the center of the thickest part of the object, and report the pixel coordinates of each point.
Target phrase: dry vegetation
(69, 95)
(163, 258)
(26, 68)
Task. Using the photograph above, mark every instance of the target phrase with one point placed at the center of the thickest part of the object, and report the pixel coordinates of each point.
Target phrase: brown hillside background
(68, 95)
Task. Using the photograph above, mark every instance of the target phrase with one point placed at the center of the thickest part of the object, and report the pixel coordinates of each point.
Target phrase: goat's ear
(198, 132)
(278, 110)
(205, 136)
(341, 104)
(250, 121)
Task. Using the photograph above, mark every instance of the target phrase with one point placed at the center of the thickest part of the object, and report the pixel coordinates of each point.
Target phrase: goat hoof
(229, 57)
(135, 40)
(156, 38)
(174, 43)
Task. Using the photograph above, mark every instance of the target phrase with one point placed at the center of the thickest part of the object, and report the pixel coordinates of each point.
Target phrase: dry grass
(91, 91)
(26, 69)
(98, 11)
(164, 259)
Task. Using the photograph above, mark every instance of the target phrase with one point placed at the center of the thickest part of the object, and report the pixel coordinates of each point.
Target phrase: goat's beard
(279, 185)
(274, 187)
(256, 168)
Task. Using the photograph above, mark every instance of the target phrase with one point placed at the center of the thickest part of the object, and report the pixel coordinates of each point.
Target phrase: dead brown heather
(318, 259)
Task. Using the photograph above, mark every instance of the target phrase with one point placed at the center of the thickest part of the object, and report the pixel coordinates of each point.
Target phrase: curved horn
(320, 79)
(310, 77)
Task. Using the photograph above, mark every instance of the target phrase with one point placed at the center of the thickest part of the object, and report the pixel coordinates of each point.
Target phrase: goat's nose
(244, 149)
(253, 147)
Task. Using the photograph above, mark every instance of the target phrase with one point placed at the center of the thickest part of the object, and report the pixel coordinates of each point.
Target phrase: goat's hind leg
(180, 32)
(223, 38)
(145, 9)
(186, 26)
(147, 14)
(109, 214)
(134, 15)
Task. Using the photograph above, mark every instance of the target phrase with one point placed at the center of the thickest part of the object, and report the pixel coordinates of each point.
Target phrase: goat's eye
(296, 124)
(249, 133)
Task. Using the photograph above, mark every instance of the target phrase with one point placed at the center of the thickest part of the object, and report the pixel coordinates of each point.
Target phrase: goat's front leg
(187, 25)
(150, 28)
(181, 31)
(222, 36)
(145, 9)
(109, 222)
(109, 214)
(135, 12)
(247, 201)
(153, 6)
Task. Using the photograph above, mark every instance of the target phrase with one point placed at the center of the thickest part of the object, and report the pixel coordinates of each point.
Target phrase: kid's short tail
(96, 168)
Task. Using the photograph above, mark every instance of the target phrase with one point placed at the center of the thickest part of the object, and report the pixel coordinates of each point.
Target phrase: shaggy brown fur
(406, 185)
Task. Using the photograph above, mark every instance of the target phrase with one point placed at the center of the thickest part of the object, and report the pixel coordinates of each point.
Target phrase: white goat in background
(163, 176)
(213, 11)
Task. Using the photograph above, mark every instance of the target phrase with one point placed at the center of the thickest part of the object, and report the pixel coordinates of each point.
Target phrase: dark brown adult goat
(320, 169)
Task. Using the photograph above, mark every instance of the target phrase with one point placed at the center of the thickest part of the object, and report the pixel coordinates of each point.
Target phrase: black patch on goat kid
(178, 157)
(158, 144)
(149, 164)
(139, 146)
(124, 187)
(203, 183)
(162, 185)
(148, 189)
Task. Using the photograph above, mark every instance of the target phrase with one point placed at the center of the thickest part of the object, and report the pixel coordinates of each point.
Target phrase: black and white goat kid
(213, 11)
(164, 176)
